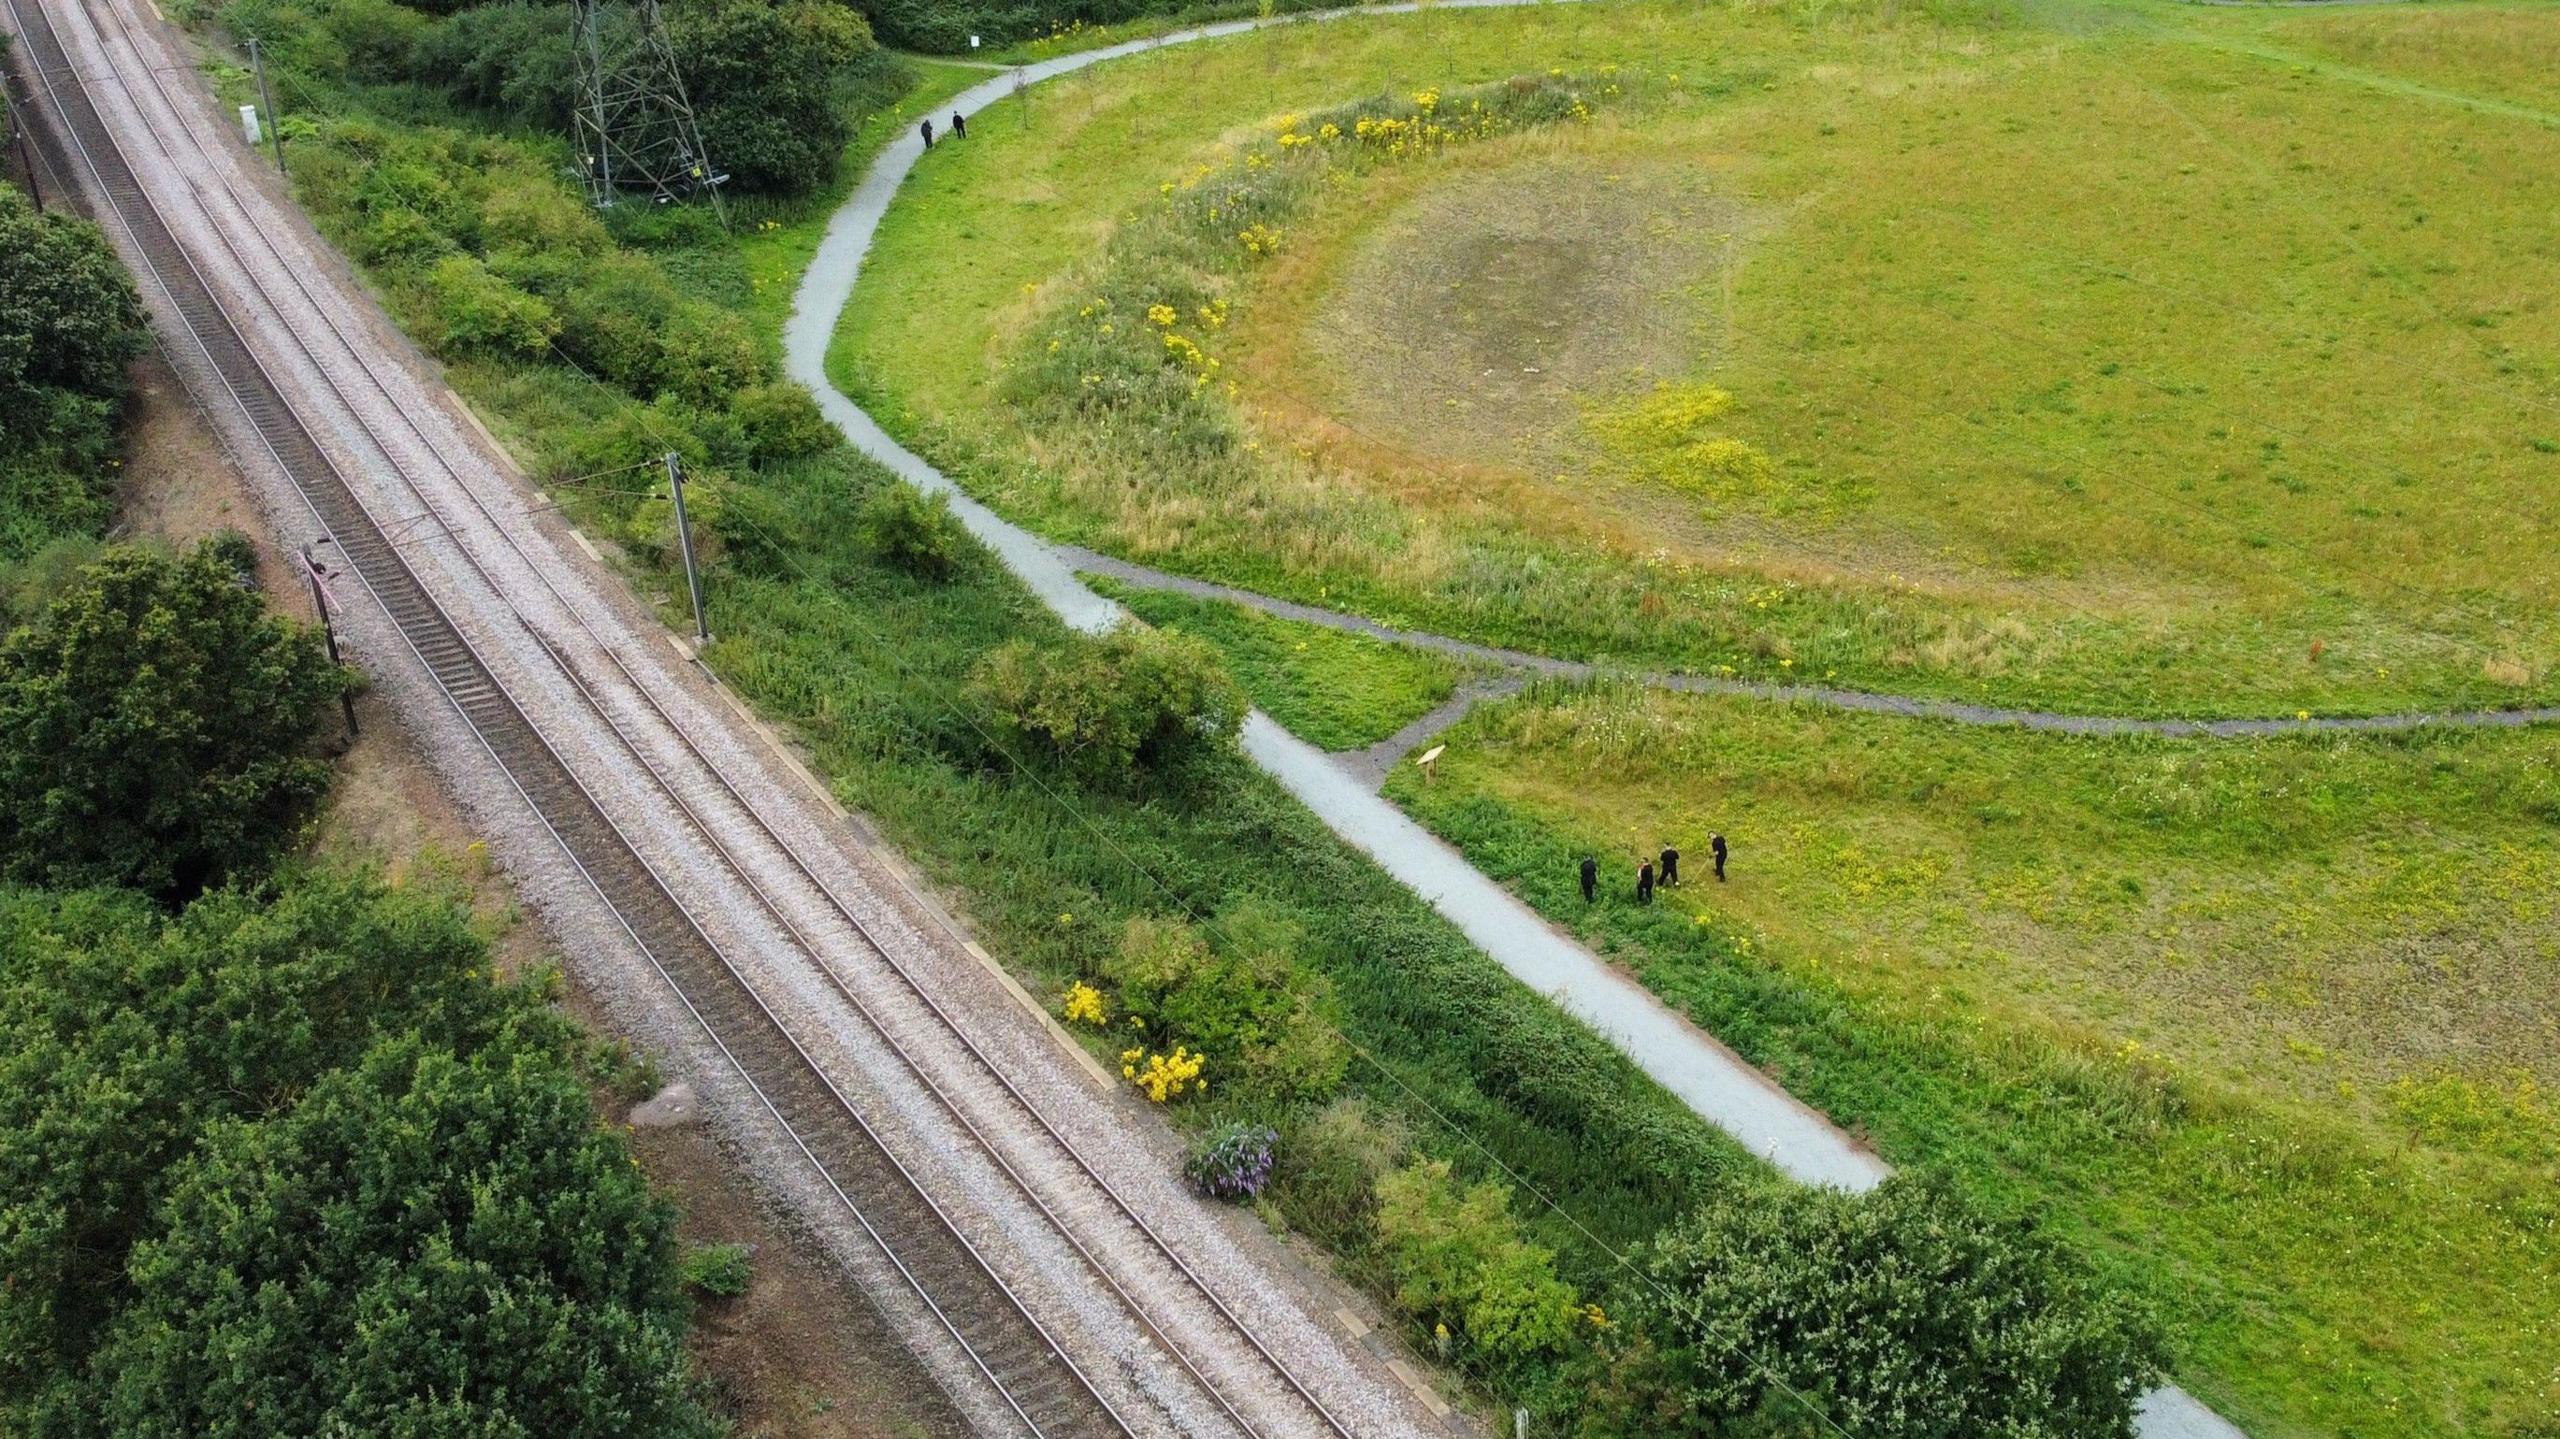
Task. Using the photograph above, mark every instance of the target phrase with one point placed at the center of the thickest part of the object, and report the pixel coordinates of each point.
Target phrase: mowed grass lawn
(2145, 358)
(2273, 1023)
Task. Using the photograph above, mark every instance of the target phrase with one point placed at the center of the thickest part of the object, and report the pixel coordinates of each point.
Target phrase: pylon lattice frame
(636, 131)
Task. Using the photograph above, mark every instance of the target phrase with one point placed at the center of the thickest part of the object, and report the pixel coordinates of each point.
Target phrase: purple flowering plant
(1234, 1161)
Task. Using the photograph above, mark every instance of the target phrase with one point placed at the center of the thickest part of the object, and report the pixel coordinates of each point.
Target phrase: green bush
(399, 237)
(782, 422)
(1905, 1310)
(623, 438)
(426, 180)
(1131, 700)
(156, 723)
(1460, 1262)
(762, 76)
(613, 320)
(906, 529)
(710, 355)
(465, 309)
(1249, 1003)
(58, 459)
(719, 1270)
(1326, 1177)
(514, 60)
(69, 316)
(539, 217)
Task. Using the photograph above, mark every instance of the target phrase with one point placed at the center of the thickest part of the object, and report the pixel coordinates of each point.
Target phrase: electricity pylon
(636, 133)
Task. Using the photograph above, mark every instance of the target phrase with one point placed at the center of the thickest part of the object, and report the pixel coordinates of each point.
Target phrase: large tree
(125, 1033)
(156, 724)
(762, 75)
(424, 1246)
(69, 318)
(292, 1163)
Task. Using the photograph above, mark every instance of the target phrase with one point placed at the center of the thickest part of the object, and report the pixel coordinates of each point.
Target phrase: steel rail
(745, 872)
(461, 673)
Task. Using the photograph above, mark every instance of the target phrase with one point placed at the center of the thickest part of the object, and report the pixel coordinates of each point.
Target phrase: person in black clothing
(1590, 879)
(959, 126)
(1715, 846)
(1644, 882)
(927, 130)
(1670, 867)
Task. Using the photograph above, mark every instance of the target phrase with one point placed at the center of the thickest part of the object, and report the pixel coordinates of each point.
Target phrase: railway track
(1026, 1366)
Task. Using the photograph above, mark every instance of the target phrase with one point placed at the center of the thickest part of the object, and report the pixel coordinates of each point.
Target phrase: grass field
(2273, 1021)
(2494, 55)
(2086, 377)
(774, 241)
(2332, 919)
(2082, 378)
(1334, 690)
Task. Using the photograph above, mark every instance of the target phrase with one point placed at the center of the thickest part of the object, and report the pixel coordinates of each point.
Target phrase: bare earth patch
(1476, 320)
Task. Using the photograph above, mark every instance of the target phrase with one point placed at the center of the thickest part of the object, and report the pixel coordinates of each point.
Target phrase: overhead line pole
(275, 123)
(18, 132)
(684, 543)
(324, 607)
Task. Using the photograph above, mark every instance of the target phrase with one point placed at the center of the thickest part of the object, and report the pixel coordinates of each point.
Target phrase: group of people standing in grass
(1648, 877)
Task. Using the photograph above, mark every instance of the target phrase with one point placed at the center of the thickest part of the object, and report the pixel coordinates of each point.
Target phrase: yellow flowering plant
(1084, 1006)
(1165, 1077)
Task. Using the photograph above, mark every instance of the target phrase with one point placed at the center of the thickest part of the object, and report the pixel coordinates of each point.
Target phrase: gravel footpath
(591, 668)
(1524, 663)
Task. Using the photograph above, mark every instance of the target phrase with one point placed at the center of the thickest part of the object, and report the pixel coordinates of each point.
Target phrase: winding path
(1865, 701)
(1692, 1064)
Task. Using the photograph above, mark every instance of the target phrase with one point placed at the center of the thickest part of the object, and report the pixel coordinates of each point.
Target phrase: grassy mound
(2063, 370)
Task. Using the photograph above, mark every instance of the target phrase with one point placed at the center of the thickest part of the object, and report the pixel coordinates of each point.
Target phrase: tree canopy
(423, 1245)
(761, 75)
(124, 1033)
(69, 317)
(156, 723)
(1906, 1311)
(69, 324)
(293, 1163)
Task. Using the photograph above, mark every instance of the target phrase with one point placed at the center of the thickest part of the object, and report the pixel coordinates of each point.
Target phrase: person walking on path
(1644, 882)
(1670, 867)
(1715, 846)
(959, 126)
(927, 130)
(1590, 879)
